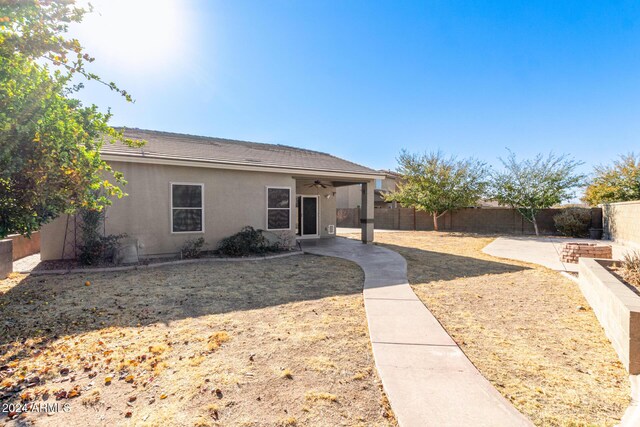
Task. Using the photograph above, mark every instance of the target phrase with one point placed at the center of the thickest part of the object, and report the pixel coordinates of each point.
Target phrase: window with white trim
(187, 208)
(278, 208)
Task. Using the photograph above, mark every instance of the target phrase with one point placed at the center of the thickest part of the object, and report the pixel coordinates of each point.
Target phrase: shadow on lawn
(52, 306)
(48, 307)
(428, 266)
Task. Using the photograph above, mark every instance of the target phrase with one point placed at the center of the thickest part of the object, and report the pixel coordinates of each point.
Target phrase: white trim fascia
(238, 166)
(266, 192)
(171, 208)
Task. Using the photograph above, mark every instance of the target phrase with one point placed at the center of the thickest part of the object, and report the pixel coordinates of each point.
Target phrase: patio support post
(366, 212)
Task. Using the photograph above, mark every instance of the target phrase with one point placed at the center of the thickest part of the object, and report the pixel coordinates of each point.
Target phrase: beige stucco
(232, 199)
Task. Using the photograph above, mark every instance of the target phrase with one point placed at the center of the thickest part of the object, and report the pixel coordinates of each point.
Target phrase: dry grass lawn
(276, 342)
(527, 329)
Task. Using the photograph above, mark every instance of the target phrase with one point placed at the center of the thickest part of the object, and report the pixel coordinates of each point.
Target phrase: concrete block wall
(6, 258)
(622, 222)
(617, 308)
(471, 220)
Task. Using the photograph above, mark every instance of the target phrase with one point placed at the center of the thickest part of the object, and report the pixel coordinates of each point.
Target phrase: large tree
(530, 185)
(618, 182)
(437, 184)
(49, 142)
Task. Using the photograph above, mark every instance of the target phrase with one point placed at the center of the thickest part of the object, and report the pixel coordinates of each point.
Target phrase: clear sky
(364, 79)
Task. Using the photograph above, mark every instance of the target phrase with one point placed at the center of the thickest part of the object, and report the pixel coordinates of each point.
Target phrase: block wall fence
(622, 222)
(473, 220)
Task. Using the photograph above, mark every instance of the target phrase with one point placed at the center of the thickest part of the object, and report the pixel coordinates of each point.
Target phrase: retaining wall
(6, 258)
(617, 308)
(25, 246)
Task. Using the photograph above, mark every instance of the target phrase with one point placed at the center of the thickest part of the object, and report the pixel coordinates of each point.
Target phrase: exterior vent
(331, 229)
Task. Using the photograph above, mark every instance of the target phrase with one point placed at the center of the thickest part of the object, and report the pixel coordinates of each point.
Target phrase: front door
(308, 216)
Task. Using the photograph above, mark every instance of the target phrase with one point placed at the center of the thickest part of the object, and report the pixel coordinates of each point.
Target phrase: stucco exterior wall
(622, 222)
(232, 199)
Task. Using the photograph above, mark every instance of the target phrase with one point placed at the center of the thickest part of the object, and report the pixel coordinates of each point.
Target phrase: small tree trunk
(535, 225)
(435, 221)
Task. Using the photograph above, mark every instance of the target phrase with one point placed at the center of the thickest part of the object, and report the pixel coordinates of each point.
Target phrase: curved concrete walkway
(427, 377)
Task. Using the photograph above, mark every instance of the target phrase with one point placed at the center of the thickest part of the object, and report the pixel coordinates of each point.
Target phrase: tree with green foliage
(49, 142)
(436, 184)
(619, 182)
(533, 184)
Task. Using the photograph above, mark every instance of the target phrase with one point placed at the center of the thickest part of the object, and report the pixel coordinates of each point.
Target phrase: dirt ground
(274, 342)
(527, 329)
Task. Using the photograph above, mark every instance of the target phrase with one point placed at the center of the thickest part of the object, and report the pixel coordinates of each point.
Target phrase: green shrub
(248, 241)
(95, 247)
(573, 222)
(192, 248)
(630, 267)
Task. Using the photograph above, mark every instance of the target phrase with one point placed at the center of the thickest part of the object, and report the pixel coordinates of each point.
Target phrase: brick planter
(572, 251)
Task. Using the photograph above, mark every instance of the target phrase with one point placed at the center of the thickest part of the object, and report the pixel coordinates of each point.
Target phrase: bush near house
(573, 222)
(95, 247)
(247, 241)
(192, 248)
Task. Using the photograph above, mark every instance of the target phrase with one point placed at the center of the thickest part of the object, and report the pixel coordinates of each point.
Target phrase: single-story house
(184, 186)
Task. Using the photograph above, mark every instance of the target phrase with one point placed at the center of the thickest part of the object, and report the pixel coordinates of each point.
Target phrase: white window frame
(171, 207)
(268, 208)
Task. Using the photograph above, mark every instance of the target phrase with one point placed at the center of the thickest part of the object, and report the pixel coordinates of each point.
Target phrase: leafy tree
(619, 182)
(534, 184)
(49, 141)
(435, 184)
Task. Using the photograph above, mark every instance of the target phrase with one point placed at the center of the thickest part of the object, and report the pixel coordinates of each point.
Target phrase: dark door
(309, 216)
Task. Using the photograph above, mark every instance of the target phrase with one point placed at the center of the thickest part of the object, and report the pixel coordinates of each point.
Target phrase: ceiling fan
(317, 184)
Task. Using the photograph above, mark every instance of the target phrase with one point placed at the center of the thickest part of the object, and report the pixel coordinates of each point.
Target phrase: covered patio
(316, 206)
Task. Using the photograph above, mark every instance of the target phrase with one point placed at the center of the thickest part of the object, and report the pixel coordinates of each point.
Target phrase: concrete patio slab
(427, 377)
(544, 251)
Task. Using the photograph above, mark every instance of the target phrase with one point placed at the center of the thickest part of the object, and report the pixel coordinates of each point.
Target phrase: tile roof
(175, 146)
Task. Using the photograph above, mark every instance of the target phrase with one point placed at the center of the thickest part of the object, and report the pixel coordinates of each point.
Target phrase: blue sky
(365, 79)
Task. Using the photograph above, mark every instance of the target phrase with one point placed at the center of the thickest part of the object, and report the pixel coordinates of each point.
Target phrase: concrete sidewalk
(427, 377)
(544, 251)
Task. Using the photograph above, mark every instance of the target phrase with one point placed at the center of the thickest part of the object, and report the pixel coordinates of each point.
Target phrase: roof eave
(190, 162)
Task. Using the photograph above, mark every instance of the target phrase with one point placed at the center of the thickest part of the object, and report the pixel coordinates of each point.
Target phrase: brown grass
(277, 342)
(630, 269)
(527, 329)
